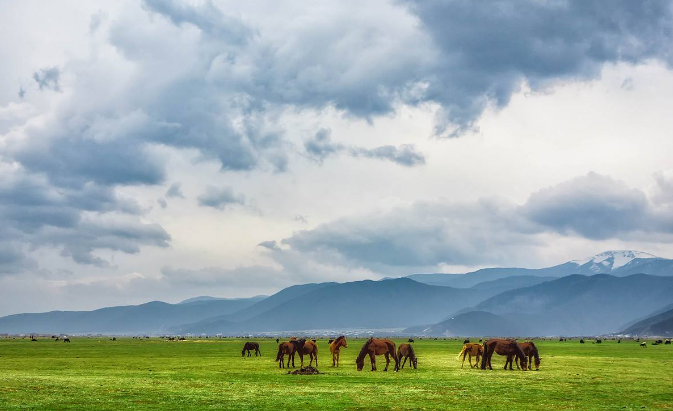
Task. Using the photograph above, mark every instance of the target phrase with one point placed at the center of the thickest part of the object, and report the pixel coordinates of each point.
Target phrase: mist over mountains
(615, 291)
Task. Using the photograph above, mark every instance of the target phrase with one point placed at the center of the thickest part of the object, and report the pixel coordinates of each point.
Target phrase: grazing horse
(466, 341)
(667, 342)
(643, 344)
(277, 340)
(285, 348)
(407, 351)
(374, 347)
(503, 347)
(335, 348)
(309, 348)
(249, 346)
(410, 340)
(66, 340)
(581, 341)
(530, 350)
(471, 349)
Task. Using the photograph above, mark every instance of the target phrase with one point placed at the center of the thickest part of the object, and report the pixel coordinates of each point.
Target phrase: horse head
(537, 363)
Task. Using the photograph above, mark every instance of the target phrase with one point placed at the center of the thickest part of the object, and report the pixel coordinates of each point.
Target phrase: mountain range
(610, 292)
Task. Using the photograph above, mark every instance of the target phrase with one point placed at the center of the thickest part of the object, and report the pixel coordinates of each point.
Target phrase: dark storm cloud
(48, 78)
(13, 261)
(321, 146)
(488, 48)
(220, 197)
(33, 212)
(595, 207)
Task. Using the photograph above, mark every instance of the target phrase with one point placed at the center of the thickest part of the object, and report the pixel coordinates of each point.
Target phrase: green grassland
(129, 374)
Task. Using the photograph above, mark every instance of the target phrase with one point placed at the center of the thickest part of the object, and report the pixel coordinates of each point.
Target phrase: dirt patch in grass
(305, 371)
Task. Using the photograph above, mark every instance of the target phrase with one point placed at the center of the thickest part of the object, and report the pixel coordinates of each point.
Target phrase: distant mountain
(208, 298)
(149, 318)
(228, 321)
(361, 304)
(510, 283)
(200, 298)
(619, 263)
(472, 323)
(660, 325)
(581, 305)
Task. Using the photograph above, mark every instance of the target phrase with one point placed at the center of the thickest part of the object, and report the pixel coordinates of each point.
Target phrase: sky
(161, 150)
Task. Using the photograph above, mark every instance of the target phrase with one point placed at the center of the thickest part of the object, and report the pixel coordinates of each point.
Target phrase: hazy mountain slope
(657, 325)
(472, 323)
(511, 283)
(362, 304)
(576, 304)
(616, 262)
(489, 274)
(153, 317)
(644, 317)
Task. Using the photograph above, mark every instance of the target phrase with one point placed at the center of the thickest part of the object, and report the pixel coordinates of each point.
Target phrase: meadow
(131, 374)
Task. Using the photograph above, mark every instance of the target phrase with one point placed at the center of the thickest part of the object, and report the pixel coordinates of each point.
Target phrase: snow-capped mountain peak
(610, 260)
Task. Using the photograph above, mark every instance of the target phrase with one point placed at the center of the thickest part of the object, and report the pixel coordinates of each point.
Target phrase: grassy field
(129, 374)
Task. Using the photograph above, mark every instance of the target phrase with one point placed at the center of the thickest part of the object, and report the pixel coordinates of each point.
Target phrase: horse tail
(280, 352)
(461, 352)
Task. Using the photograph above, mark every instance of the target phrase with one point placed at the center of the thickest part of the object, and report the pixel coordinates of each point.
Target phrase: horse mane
(535, 353)
(339, 338)
(519, 351)
(412, 354)
(363, 351)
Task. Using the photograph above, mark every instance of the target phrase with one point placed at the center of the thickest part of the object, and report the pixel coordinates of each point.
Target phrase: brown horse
(530, 350)
(285, 348)
(374, 347)
(471, 349)
(407, 351)
(335, 348)
(309, 348)
(250, 346)
(506, 347)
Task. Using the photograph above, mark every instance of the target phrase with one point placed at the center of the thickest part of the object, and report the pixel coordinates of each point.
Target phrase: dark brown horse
(374, 347)
(407, 351)
(335, 349)
(250, 346)
(285, 348)
(530, 350)
(506, 347)
(309, 348)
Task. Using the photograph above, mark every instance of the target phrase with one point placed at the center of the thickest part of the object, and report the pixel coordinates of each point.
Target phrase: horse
(643, 344)
(374, 347)
(471, 349)
(66, 340)
(335, 348)
(503, 347)
(466, 341)
(410, 340)
(530, 350)
(304, 347)
(285, 348)
(582, 341)
(249, 346)
(407, 351)
(277, 340)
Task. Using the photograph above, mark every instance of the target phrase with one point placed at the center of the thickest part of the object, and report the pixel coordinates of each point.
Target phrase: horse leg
(469, 359)
(372, 358)
(404, 362)
(476, 363)
(337, 353)
(333, 359)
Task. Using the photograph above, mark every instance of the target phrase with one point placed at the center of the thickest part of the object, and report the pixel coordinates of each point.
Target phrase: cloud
(13, 261)
(162, 202)
(404, 155)
(78, 221)
(48, 78)
(593, 206)
(489, 231)
(270, 245)
(220, 197)
(175, 191)
(321, 146)
(487, 49)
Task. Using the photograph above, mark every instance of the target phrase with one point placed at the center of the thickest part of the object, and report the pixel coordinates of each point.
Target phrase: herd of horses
(523, 354)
